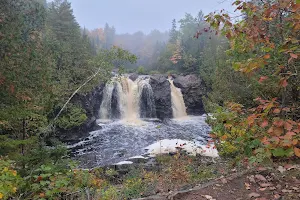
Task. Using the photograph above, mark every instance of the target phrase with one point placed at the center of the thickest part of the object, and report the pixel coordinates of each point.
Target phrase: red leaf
(278, 131)
(278, 123)
(293, 55)
(296, 130)
(267, 56)
(228, 35)
(262, 78)
(276, 111)
(286, 109)
(297, 151)
(39, 178)
(295, 142)
(265, 141)
(290, 133)
(283, 82)
(288, 126)
(12, 88)
(264, 124)
(295, 7)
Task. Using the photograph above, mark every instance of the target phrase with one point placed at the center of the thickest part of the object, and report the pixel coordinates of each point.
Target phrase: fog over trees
(58, 64)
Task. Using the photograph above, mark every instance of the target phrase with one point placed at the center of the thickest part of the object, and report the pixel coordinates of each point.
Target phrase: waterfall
(128, 100)
(178, 106)
(105, 108)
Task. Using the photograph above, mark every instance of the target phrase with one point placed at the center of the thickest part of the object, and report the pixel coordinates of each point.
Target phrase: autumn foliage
(264, 45)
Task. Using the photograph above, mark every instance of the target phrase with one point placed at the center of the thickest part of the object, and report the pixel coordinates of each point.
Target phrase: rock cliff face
(90, 102)
(192, 90)
(162, 96)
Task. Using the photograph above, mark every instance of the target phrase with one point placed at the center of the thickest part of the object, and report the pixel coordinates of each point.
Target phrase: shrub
(141, 70)
(9, 179)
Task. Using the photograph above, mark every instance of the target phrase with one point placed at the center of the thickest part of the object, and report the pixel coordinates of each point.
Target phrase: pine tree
(173, 32)
(24, 77)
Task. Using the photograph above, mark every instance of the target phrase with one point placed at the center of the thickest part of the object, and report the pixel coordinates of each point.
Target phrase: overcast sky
(145, 15)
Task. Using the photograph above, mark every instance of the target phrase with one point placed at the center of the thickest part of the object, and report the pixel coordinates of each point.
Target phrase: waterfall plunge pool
(118, 141)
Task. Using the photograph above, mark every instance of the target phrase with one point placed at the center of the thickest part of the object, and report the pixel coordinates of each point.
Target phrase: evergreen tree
(25, 84)
(173, 32)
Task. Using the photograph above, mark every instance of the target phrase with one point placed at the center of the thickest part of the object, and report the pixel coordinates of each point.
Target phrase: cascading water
(105, 108)
(178, 106)
(135, 99)
(129, 100)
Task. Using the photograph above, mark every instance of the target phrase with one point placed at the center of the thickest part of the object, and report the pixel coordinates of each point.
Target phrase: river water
(119, 140)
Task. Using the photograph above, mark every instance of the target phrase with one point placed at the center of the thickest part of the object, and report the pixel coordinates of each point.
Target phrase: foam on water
(117, 141)
(192, 148)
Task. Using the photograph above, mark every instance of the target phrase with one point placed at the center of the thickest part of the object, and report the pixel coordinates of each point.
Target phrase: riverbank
(183, 177)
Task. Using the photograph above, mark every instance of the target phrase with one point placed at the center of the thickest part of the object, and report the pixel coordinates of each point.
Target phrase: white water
(129, 100)
(131, 95)
(105, 108)
(172, 145)
(178, 106)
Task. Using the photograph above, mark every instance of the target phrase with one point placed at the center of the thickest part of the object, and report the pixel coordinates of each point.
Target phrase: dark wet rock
(124, 168)
(192, 90)
(147, 104)
(115, 111)
(133, 76)
(162, 96)
(90, 102)
(96, 127)
(120, 153)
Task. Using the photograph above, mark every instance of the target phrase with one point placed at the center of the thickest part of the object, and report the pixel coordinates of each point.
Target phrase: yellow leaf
(14, 172)
(297, 151)
(14, 189)
(1, 195)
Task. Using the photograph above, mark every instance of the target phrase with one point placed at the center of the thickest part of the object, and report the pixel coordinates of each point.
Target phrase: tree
(109, 34)
(173, 32)
(24, 78)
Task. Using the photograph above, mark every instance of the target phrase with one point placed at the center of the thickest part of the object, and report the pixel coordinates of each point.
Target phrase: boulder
(133, 76)
(192, 90)
(162, 96)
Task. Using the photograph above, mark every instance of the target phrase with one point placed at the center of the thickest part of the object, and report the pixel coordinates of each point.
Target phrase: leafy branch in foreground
(264, 45)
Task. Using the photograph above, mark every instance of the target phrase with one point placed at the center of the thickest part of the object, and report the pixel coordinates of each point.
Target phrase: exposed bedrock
(192, 90)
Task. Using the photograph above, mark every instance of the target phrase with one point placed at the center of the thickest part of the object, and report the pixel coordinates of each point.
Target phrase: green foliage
(9, 179)
(153, 72)
(73, 116)
(44, 57)
(110, 193)
(133, 188)
(141, 70)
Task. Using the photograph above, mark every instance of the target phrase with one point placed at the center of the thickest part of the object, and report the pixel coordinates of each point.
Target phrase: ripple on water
(118, 141)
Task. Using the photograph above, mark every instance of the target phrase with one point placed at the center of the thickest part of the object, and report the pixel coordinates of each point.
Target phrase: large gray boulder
(192, 90)
(162, 96)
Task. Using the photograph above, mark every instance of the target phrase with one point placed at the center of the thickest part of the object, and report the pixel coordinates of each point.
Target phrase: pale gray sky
(145, 15)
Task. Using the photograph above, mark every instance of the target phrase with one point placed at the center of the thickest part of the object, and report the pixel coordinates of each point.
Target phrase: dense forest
(249, 65)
